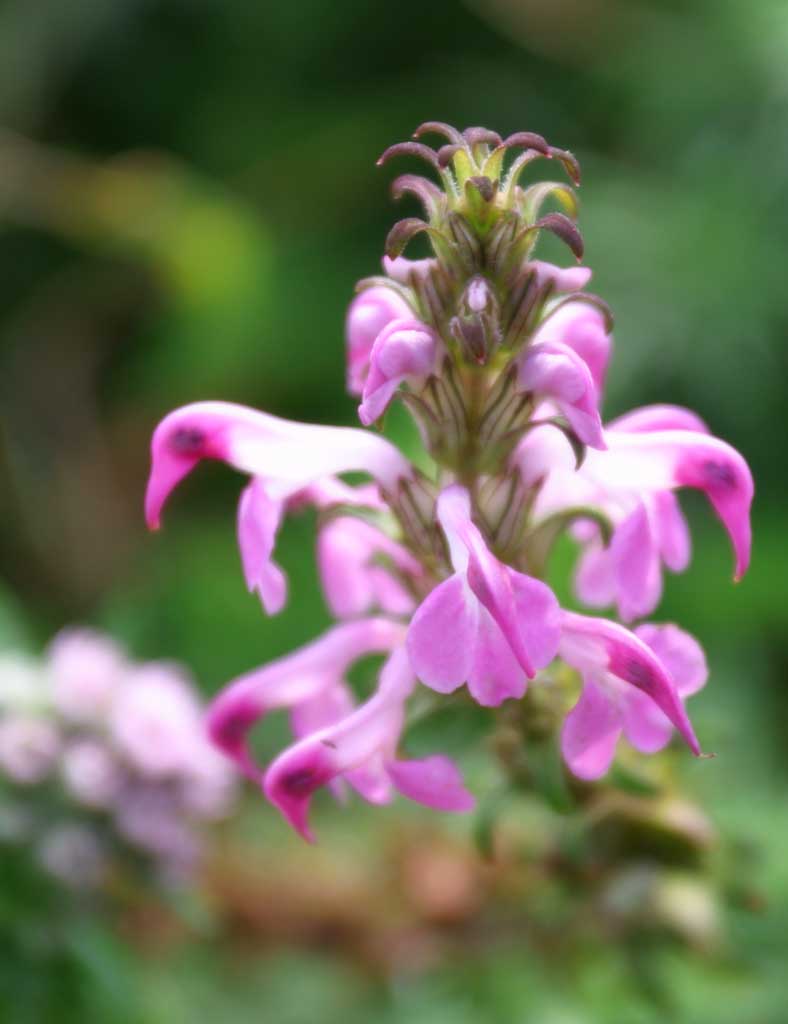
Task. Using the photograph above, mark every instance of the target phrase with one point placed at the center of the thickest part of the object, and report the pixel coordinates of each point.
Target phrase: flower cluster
(500, 358)
(103, 762)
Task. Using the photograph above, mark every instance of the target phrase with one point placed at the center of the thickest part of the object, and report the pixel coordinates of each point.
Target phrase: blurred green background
(188, 195)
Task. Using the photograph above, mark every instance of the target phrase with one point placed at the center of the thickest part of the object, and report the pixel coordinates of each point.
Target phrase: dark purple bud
(477, 325)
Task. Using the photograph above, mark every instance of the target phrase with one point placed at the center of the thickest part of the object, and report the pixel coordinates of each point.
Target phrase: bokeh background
(187, 196)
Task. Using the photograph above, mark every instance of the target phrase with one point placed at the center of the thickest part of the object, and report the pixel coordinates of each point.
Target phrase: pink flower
(287, 456)
(553, 370)
(91, 773)
(633, 684)
(29, 746)
(354, 581)
(310, 682)
(367, 739)
(86, 670)
(369, 313)
(405, 351)
(155, 719)
(581, 327)
(487, 624)
(650, 453)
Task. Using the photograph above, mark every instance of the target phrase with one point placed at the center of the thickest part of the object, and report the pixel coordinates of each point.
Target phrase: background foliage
(188, 194)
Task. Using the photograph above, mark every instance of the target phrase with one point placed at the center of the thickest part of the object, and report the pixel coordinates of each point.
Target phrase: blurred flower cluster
(500, 359)
(104, 763)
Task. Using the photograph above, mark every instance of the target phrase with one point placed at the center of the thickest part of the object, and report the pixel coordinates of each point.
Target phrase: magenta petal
(671, 531)
(595, 583)
(645, 726)
(292, 779)
(168, 468)
(371, 781)
(582, 328)
(287, 455)
(405, 350)
(304, 679)
(636, 564)
(680, 653)
(599, 646)
(329, 706)
(495, 674)
(367, 315)
(441, 635)
(649, 418)
(355, 742)
(667, 459)
(556, 371)
(434, 781)
(525, 609)
(259, 518)
(590, 733)
(563, 279)
(538, 617)
(723, 475)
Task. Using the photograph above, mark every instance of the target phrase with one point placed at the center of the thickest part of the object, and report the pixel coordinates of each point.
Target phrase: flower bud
(477, 327)
(368, 314)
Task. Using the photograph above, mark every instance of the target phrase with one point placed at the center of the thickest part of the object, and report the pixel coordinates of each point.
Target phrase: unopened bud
(477, 325)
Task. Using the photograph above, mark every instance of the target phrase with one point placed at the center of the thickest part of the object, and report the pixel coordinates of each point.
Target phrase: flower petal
(368, 314)
(495, 674)
(306, 675)
(635, 558)
(441, 635)
(582, 328)
(595, 583)
(645, 726)
(668, 459)
(525, 609)
(287, 455)
(352, 582)
(556, 371)
(658, 417)
(679, 652)
(344, 747)
(563, 279)
(405, 350)
(590, 733)
(434, 781)
(259, 518)
(671, 531)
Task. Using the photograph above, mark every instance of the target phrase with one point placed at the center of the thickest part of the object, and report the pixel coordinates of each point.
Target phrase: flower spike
(500, 358)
